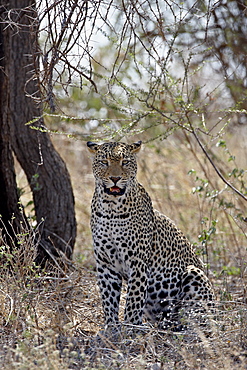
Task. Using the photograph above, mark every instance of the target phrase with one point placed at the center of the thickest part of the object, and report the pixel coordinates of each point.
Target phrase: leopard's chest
(114, 240)
(122, 229)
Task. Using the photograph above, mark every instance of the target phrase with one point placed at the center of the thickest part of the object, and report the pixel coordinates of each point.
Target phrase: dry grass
(49, 322)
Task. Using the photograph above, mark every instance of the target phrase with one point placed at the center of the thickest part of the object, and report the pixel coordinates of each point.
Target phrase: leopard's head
(114, 165)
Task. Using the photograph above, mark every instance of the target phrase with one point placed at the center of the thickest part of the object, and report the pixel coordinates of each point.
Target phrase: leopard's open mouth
(114, 190)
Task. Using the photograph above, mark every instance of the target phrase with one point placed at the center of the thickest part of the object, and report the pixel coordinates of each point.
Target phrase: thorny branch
(215, 167)
(66, 23)
(147, 39)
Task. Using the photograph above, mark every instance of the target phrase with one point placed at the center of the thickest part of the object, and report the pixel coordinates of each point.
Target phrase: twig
(11, 306)
(216, 169)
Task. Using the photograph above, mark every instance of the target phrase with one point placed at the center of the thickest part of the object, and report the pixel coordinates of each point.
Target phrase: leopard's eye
(125, 162)
(104, 162)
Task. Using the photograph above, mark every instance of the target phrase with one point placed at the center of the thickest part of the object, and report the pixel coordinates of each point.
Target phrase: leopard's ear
(92, 147)
(135, 147)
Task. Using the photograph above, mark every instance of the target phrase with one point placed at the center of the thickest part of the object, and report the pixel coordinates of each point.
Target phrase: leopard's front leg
(136, 295)
(110, 284)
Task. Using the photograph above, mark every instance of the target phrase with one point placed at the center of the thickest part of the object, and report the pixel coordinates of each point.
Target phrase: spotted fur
(132, 241)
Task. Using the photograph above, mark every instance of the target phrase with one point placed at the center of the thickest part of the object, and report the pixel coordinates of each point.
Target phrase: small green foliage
(237, 173)
(34, 182)
(225, 296)
(231, 158)
(192, 172)
(207, 234)
(201, 187)
(231, 270)
(221, 143)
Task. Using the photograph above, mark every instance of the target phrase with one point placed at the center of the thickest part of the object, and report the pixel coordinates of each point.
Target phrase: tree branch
(215, 168)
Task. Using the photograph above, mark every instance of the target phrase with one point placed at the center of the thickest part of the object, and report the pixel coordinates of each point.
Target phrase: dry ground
(51, 322)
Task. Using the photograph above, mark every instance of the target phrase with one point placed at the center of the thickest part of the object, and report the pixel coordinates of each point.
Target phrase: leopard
(137, 244)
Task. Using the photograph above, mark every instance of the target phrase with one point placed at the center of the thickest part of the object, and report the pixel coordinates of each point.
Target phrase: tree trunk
(45, 170)
(8, 189)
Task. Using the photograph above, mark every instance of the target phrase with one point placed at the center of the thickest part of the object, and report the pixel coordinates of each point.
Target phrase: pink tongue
(115, 188)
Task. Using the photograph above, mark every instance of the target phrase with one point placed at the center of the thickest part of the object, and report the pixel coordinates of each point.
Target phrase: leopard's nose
(115, 179)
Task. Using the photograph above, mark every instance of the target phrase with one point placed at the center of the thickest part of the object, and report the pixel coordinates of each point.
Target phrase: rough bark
(45, 170)
(8, 190)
